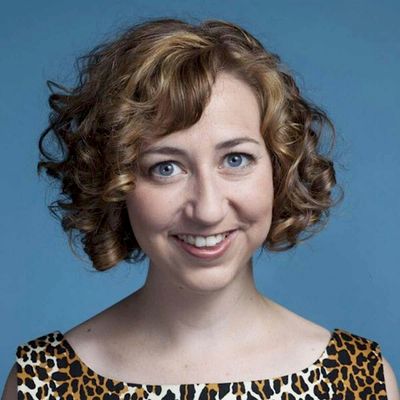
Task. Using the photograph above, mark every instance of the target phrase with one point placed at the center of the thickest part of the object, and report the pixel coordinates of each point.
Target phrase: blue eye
(168, 169)
(163, 169)
(236, 159)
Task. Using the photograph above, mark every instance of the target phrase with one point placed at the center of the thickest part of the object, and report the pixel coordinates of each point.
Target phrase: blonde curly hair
(155, 78)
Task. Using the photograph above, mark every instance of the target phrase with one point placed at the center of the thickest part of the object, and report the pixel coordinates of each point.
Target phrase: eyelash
(247, 155)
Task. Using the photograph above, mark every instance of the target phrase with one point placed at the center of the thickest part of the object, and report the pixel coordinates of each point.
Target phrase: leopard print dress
(349, 368)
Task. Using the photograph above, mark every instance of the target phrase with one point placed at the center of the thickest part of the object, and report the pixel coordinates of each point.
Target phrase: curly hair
(155, 78)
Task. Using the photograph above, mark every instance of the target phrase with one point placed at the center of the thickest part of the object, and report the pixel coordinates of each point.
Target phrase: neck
(180, 316)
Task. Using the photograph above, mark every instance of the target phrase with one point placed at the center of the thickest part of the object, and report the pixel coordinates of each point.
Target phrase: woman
(192, 146)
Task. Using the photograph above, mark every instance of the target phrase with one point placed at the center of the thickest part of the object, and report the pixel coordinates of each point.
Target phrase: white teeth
(202, 241)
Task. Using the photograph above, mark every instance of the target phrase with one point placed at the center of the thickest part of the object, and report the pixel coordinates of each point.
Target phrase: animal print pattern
(349, 368)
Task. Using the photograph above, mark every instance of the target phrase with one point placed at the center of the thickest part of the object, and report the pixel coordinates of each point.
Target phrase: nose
(207, 199)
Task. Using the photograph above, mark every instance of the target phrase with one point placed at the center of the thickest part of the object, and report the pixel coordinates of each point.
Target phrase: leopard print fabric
(349, 368)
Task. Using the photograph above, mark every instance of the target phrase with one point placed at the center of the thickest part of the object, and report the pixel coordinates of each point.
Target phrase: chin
(210, 278)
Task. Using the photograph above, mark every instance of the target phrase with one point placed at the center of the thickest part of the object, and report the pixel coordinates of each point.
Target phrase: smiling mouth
(210, 234)
(205, 246)
(210, 252)
(201, 241)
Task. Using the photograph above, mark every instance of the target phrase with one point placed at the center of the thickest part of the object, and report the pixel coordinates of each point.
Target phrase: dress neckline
(315, 364)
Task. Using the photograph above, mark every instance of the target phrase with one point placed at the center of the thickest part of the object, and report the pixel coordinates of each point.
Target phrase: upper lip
(205, 234)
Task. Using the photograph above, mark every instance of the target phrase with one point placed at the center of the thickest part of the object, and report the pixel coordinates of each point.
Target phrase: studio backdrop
(345, 56)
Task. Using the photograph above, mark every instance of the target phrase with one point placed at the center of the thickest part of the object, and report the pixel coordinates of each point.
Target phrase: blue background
(345, 56)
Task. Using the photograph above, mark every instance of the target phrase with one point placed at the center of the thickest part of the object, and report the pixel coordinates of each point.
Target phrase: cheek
(260, 211)
(257, 196)
(149, 210)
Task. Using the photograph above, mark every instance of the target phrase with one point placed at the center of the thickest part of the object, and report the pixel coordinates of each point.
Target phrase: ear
(392, 388)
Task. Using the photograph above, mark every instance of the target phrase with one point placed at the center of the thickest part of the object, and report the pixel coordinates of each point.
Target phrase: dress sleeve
(35, 361)
(355, 368)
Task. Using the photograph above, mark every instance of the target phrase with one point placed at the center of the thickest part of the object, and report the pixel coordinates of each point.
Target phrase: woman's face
(199, 183)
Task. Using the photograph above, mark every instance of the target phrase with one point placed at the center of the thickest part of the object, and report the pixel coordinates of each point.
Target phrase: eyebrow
(177, 151)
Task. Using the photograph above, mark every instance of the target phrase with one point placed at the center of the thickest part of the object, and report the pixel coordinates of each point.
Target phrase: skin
(193, 319)
(207, 191)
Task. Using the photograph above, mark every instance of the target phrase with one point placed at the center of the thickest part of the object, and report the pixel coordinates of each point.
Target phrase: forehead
(232, 112)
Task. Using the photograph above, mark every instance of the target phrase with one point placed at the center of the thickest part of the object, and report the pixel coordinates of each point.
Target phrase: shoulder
(392, 387)
(29, 351)
(354, 359)
(99, 338)
(87, 342)
(35, 359)
(35, 351)
(93, 341)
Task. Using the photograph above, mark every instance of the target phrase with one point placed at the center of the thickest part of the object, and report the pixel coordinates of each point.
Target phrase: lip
(205, 235)
(207, 253)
